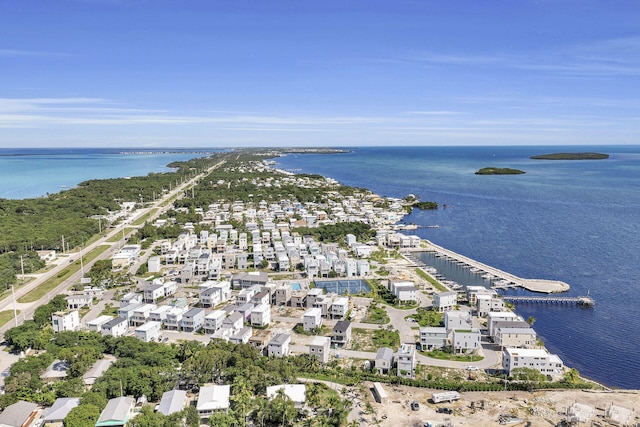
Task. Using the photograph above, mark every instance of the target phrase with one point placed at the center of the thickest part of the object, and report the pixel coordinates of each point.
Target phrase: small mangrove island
(499, 171)
(571, 156)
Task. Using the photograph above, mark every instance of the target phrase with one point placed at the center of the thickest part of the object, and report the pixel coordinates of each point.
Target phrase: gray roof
(341, 325)
(61, 407)
(193, 312)
(17, 414)
(384, 353)
(511, 325)
(117, 409)
(172, 401)
(113, 322)
(280, 339)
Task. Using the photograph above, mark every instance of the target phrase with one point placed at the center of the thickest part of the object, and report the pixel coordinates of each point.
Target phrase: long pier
(586, 301)
(535, 285)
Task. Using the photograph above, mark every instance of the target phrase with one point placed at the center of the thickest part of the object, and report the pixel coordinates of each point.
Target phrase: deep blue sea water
(575, 221)
(34, 172)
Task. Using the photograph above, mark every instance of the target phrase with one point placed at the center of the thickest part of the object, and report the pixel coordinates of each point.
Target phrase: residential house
(341, 333)
(279, 345)
(117, 412)
(339, 308)
(261, 315)
(141, 314)
(260, 339)
(234, 322)
(384, 360)
(533, 358)
(465, 340)
(295, 392)
(406, 360)
(283, 295)
(95, 325)
(149, 331)
(19, 414)
(516, 334)
(159, 314)
(213, 321)
(242, 336)
(76, 302)
(312, 319)
(488, 303)
(501, 316)
(174, 317)
(445, 301)
(126, 312)
(59, 411)
(319, 348)
(152, 292)
(246, 280)
(433, 337)
(457, 319)
(65, 321)
(115, 327)
(192, 320)
(172, 401)
(213, 398)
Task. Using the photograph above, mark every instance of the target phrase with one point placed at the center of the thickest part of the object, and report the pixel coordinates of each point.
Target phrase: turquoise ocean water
(576, 221)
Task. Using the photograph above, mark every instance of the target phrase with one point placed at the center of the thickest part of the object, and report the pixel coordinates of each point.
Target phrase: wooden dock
(585, 301)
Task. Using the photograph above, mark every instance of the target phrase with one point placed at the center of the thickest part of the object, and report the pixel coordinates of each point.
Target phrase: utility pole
(63, 243)
(15, 312)
(22, 266)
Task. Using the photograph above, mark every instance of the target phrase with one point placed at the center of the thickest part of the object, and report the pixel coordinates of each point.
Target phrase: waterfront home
(433, 337)
(501, 316)
(341, 333)
(514, 334)
(115, 327)
(384, 360)
(534, 358)
(95, 325)
(485, 304)
(295, 392)
(472, 293)
(465, 340)
(172, 401)
(319, 348)
(192, 320)
(312, 319)
(213, 398)
(65, 321)
(117, 412)
(148, 332)
(406, 360)
(445, 301)
(279, 345)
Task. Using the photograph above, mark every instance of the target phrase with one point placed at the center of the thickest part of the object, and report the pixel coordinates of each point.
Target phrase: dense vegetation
(338, 232)
(571, 156)
(426, 205)
(499, 171)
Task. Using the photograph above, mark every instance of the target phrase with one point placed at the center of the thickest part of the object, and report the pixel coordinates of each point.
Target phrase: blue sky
(199, 73)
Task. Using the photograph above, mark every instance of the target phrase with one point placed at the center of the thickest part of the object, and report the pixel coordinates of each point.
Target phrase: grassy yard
(373, 339)
(52, 283)
(7, 315)
(445, 355)
(428, 318)
(376, 314)
(431, 280)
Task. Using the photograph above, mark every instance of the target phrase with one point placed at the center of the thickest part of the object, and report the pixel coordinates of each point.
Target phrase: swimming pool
(296, 286)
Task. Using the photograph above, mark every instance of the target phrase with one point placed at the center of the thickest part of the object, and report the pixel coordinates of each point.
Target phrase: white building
(213, 398)
(501, 316)
(465, 340)
(261, 315)
(444, 301)
(538, 359)
(96, 324)
(406, 360)
(384, 360)
(279, 345)
(404, 291)
(148, 332)
(295, 392)
(312, 319)
(213, 321)
(457, 319)
(115, 327)
(433, 337)
(339, 308)
(65, 321)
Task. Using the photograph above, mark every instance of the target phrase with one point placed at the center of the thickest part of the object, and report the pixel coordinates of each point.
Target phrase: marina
(494, 277)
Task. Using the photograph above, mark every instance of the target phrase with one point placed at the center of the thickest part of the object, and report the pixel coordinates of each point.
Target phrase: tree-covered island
(499, 171)
(571, 156)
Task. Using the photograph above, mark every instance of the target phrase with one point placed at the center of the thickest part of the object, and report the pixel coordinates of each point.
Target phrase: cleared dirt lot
(545, 408)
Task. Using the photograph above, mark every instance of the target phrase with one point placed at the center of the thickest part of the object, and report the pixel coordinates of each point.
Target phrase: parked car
(444, 411)
(415, 405)
(472, 368)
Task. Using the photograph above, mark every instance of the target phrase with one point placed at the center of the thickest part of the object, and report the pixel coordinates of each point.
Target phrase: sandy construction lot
(544, 408)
